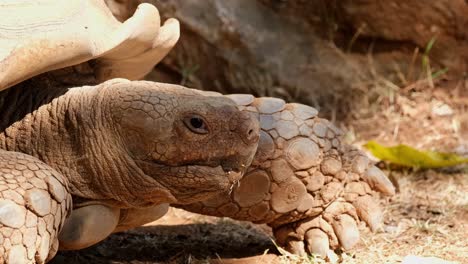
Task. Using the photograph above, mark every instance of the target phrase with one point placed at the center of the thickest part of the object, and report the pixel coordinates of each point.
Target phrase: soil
(427, 217)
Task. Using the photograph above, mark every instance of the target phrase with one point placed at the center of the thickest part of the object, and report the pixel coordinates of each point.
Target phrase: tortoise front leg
(303, 182)
(135, 217)
(88, 225)
(34, 202)
(92, 223)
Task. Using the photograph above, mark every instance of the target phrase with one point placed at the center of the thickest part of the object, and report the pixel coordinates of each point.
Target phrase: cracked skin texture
(34, 202)
(311, 189)
(118, 145)
(303, 182)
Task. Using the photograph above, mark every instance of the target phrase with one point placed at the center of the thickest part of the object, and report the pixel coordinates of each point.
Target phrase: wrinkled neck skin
(67, 129)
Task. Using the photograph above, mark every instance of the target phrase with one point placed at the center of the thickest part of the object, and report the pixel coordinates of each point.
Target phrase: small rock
(441, 109)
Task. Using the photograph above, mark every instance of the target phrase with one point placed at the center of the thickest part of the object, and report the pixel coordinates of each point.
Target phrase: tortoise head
(192, 143)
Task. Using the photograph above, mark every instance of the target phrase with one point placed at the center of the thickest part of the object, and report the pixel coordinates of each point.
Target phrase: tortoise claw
(369, 211)
(317, 242)
(378, 181)
(297, 247)
(346, 230)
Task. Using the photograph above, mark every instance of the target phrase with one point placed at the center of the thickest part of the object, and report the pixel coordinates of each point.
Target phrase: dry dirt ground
(428, 216)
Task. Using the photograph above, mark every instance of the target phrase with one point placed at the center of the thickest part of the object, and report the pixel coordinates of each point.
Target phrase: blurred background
(395, 70)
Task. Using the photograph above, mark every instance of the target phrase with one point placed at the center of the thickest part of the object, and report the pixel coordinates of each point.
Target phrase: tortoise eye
(196, 124)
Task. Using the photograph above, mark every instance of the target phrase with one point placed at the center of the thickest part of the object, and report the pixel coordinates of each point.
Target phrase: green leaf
(407, 156)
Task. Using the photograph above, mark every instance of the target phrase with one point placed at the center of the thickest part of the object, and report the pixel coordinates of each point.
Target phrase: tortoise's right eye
(196, 124)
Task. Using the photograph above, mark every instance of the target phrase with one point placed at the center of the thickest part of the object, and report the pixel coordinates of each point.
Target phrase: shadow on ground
(174, 244)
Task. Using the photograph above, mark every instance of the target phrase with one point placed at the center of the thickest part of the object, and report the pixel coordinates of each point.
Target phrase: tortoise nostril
(247, 126)
(252, 134)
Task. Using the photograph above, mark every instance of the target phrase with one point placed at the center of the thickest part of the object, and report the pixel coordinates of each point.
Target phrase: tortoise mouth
(229, 167)
(191, 183)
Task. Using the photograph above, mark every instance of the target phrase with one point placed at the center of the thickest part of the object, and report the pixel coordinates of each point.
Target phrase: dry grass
(429, 217)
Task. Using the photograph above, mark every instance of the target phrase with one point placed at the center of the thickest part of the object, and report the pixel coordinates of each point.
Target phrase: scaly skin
(121, 145)
(303, 182)
(34, 202)
(127, 144)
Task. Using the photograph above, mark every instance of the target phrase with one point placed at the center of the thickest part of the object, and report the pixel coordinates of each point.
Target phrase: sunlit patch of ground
(429, 217)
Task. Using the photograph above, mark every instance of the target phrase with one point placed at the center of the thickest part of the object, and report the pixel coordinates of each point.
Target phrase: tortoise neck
(71, 130)
(37, 112)
(63, 127)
